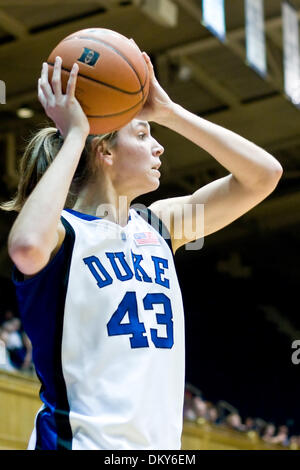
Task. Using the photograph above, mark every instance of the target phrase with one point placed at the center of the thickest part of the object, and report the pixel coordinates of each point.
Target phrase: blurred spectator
(260, 425)
(249, 424)
(201, 411)
(200, 407)
(212, 414)
(5, 363)
(224, 409)
(268, 432)
(234, 421)
(188, 408)
(17, 344)
(281, 437)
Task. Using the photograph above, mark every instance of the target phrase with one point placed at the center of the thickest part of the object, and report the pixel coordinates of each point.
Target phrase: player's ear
(102, 151)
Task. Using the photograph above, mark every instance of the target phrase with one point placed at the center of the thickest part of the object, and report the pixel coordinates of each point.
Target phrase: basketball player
(95, 280)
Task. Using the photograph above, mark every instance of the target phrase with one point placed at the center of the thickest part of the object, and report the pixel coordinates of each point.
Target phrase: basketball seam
(115, 114)
(115, 50)
(102, 83)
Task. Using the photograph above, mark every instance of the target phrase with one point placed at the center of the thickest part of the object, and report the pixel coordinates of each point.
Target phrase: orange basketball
(113, 80)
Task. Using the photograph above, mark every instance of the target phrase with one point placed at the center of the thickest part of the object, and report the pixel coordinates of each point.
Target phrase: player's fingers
(44, 82)
(149, 63)
(71, 86)
(41, 96)
(56, 77)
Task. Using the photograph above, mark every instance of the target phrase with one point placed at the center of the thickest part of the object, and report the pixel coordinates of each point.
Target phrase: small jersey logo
(89, 57)
(146, 238)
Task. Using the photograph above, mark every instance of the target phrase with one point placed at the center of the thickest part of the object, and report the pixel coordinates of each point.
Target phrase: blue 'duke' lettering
(118, 262)
(137, 328)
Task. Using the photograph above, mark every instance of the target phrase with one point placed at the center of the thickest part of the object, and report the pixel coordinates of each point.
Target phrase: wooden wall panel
(19, 403)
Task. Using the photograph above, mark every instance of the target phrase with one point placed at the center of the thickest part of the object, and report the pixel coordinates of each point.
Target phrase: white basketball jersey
(106, 321)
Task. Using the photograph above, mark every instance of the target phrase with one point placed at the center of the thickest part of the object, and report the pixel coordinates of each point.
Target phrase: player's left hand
(158, 104)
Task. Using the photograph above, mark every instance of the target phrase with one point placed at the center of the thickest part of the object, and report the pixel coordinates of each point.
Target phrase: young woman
(95, 279)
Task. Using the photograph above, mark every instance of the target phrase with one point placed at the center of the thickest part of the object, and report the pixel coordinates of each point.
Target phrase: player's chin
(155, 182)
(152, 184)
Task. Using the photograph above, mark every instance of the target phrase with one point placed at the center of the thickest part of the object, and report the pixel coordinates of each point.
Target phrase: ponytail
(38, 156)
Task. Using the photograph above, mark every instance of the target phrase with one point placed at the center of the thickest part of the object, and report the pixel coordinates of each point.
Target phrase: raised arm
(254, 173)
(35, 232)
(247, 162)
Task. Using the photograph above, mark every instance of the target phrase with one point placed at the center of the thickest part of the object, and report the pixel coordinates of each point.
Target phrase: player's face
(137, 159)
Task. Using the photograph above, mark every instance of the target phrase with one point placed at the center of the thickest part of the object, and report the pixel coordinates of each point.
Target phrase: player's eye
(142, 134)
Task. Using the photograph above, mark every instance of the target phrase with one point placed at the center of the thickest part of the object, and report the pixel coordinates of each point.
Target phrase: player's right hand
(64, 109)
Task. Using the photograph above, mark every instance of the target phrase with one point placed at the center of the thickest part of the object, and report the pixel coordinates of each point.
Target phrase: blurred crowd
(197, 409)
(15, 346)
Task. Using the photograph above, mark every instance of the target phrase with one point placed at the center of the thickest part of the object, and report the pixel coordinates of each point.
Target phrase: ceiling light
(184, 73)
(25, 113)
(163, 12)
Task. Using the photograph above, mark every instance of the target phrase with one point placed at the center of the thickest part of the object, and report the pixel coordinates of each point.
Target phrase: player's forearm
(250, 164)
(37, 222)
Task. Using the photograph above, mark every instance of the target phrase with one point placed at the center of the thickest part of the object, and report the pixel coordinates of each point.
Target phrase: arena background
(241, 290)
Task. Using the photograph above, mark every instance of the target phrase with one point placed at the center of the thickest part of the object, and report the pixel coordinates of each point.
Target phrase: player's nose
(158, 150)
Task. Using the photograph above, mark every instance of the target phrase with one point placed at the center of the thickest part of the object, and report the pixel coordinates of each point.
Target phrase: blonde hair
(40, 152)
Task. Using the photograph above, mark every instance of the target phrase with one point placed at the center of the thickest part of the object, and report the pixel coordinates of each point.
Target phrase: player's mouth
(156, 171)
(156, 166)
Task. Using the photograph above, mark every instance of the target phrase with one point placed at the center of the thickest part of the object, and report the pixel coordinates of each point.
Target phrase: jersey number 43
(135, 327)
